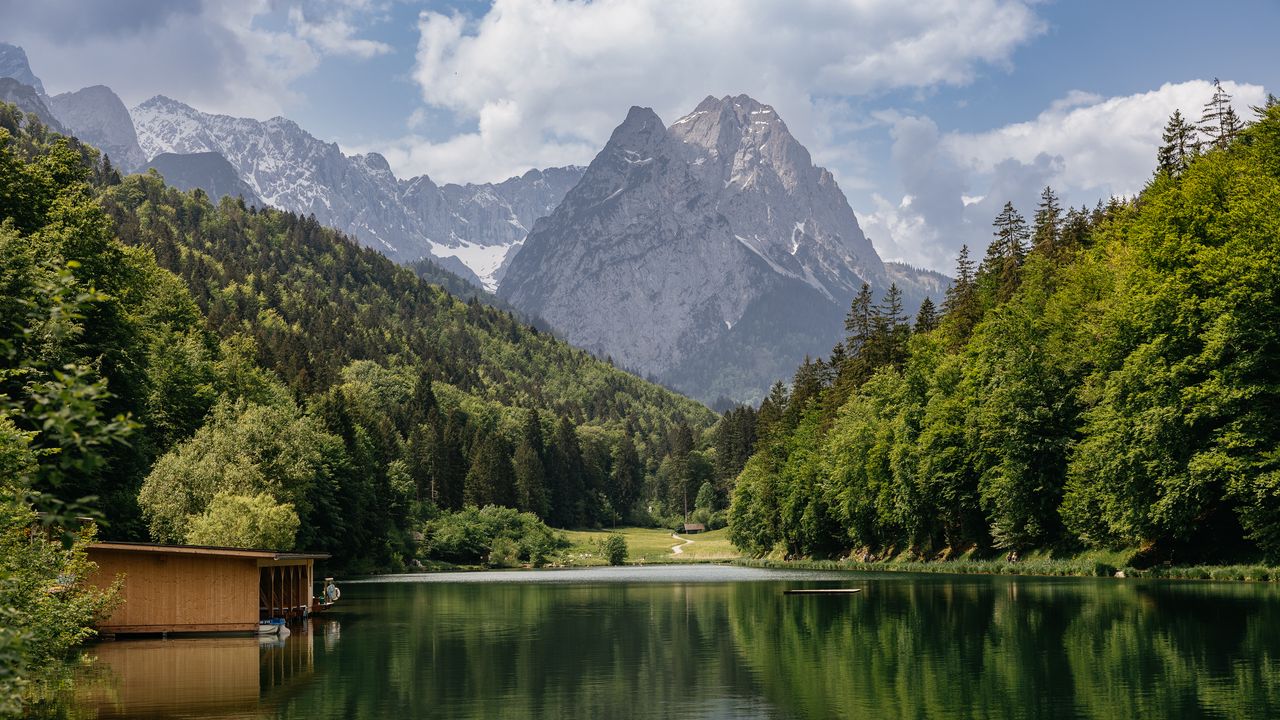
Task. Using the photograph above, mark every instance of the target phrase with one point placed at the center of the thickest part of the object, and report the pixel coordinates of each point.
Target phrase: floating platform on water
(823, 591)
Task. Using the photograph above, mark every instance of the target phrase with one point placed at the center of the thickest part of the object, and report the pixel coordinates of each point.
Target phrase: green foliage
(615, 550)
(1117, 386)
(491, 534)
(315, 301)
(184, 371)
(243, 449)
(47, 605)
(245, 521)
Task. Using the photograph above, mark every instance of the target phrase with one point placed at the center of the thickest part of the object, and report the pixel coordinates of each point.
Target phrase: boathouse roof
(259, 554)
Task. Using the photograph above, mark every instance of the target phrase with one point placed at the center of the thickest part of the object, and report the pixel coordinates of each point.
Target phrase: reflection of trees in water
(516, 651)
(932, 647)
(1009, 648)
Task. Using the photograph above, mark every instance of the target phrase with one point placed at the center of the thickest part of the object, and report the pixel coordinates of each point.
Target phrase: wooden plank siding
(179, 593)
(194, 589)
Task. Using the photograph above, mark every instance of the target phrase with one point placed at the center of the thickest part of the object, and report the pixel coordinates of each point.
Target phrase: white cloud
(1085, 146)
(228, 56)
(569, 70)
(1108, 144)
(335, 34)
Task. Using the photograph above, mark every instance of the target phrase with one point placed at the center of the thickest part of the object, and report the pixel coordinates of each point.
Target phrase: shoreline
(1075, 567)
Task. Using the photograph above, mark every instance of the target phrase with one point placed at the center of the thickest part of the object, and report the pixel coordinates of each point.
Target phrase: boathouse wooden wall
(191, 588)
(165, 592)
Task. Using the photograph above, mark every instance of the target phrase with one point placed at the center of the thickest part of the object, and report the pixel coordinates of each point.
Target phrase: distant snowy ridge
(469, 228)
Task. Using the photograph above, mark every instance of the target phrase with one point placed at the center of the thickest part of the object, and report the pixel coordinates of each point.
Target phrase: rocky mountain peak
(375, 162)
(711, 254)
(13, 64)
(28, 100)
(97, 116)
(746, 141)
(641, 129)
(164, 102)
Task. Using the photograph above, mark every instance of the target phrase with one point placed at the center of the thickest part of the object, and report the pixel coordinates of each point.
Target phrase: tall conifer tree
(1048, 225)
(1219, 123)
(1178, 145)
(926, 316)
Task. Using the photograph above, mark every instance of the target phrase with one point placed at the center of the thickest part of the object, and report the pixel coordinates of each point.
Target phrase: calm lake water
(723, 642)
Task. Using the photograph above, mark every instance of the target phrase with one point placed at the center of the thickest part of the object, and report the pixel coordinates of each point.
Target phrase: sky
(931, 115)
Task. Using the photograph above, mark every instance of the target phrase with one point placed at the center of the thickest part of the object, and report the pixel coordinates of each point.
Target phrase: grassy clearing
(709, 547)
(647, 545)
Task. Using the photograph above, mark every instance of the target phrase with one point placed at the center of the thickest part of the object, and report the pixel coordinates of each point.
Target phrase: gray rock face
(469, 228)
(208, 171)
(28, 100)
(13, 64)
(711, 254)
(97, 116)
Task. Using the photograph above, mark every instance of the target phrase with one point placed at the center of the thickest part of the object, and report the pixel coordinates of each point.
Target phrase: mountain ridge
(466, 228)
(711, 254)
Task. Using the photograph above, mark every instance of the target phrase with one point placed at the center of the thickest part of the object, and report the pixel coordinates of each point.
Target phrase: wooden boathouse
(199, 589)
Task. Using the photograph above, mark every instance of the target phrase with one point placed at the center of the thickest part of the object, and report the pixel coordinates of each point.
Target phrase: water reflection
(213, 677)
(918, 647)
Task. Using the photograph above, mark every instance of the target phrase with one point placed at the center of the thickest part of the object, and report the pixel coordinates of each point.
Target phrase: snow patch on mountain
(475, 225)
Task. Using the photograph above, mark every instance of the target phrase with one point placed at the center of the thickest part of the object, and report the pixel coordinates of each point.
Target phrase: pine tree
(926, 316)
(857, 324)
(771, 409)
(626, 475)
(889, 334)
(564, 470)
(490, 481)
(1219, 123)
(1048, 225)
(859, 327)
(681, 472)
(837, 358)
(530, 473)
(449, 462)
(960, 306)
(805, 385)
(963, 284)
(412, 413)
(1098, 214)
(1261, 110)
(1007, 252)
(1179, 142)
(1075, 229)
(417, 454)
(735, 441)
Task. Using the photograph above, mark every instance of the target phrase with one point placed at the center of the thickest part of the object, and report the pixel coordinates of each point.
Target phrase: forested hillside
(191, 372)
(1102, 379)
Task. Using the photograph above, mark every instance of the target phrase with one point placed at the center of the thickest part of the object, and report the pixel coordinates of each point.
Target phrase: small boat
(330, 595)
(273, 626)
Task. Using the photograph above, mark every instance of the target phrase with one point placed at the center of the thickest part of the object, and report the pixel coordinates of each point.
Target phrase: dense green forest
(200, 372)
(1104, 378)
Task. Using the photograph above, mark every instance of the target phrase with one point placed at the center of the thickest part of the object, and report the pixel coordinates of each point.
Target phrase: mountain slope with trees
(1105, 378)
(251, 363)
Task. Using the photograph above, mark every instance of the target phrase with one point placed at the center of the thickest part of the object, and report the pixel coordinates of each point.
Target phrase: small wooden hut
(198, 589)
(692, 528)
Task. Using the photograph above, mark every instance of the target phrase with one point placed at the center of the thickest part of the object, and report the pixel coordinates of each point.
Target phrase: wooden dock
(823, 591)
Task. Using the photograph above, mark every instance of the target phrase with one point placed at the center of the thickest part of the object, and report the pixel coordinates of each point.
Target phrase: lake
(702, 641)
